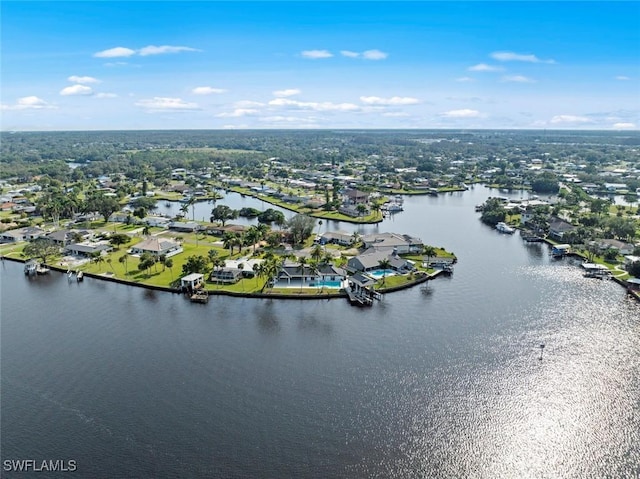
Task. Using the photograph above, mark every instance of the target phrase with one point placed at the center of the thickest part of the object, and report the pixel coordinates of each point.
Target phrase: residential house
(87, 248)
(185, 226)
(157, 247)
(622, 247)
(370, 260)
(558, 227)
(26, 233)
(308, 275)
(336, 237)
(401, 243)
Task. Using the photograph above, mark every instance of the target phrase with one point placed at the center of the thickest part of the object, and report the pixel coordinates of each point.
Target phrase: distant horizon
(207, 65)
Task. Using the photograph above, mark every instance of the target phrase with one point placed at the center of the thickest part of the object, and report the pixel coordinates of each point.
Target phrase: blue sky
(213, 65)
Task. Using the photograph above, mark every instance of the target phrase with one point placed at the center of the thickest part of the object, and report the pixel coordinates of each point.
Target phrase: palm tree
(429, 252)
(355, 238)
(384, 265)
(212, 254)
(229, 241)
(168, 262)
(319, 226)
(252, 236)
(317, 252)
(123, 259)
(302, 262)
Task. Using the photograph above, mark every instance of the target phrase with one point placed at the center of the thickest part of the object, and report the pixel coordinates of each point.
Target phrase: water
(439, 381)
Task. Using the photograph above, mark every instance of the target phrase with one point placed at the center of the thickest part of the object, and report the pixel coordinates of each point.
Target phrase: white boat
(505, 228)
(398, 199)
(392, 207)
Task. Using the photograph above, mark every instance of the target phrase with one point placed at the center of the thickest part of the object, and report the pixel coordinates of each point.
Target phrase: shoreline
(216, 292)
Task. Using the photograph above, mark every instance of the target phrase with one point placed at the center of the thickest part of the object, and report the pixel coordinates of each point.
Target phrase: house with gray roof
(370, 260)
(27, 233)
(401, 243)
(87, 248)
(157, 247)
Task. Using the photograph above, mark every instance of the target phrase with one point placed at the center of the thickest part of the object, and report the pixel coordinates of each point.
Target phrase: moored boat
(503, 227)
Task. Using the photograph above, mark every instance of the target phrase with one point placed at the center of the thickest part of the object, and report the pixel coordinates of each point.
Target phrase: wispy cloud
(464, 113)
(115, 52)
(374, 55)
(316, 106)
(623, 126)
(106, 95)
(559, 119)
(239, 112)
(316, 54)
(366, 55)
(29, 103)
(143, 52)
(287, 92)
(159, 104)
(622, 78)
(83, 80)
(518, 57)
(517, 79)
(207, 90)
(483, 67)
(395, 100)
(349, 54)
(76, 90)
(395, 114)
(159, 50)
(465, 79)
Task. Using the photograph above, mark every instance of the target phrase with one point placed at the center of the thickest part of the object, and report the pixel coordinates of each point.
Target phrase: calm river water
(436, 382)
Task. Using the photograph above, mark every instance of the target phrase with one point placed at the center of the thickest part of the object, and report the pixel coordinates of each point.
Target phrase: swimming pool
(379, 273)
(326, 284)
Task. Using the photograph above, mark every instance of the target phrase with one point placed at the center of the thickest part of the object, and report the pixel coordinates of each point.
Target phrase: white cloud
(238, 112)
(286, 119)
(316, 106)
(395, 114)
(518, 57)
(570, 119)
(374, 55)
(287, 92)
(106, 95)
(166, 104)
(144, 51)
(395, 100)
(483, 67)
(316, 54)
(115, 52)
(207, 90)
(155, 50)
(622, 126)
(367, 55)
(517, 79)
(78, 79)
(75, 90)
(465, 79)
(28, 103)
(622, 78)
(464, 113)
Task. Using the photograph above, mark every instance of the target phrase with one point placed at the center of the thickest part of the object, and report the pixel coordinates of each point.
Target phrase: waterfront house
(558, 227)
(620, 246)
(26, 233)
(185, 226)
(336, 237)
(370, 260)
(87, 249)
(156, 247)
(309, 276)
(401, 243)
(219, 230)
(226, 275)
(192, 282)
